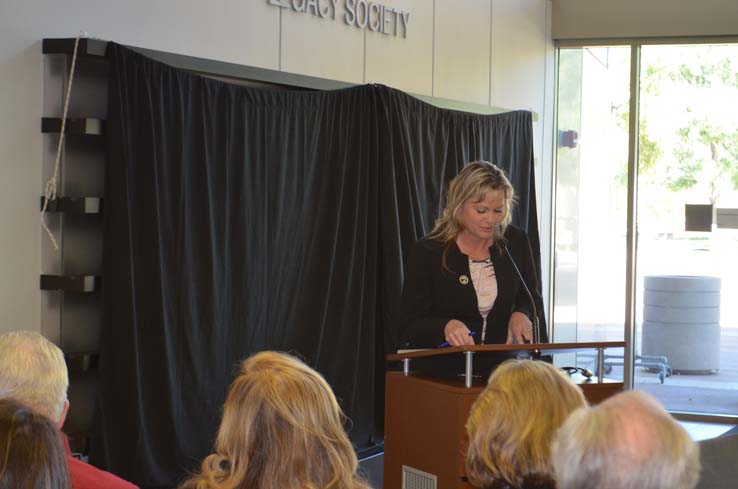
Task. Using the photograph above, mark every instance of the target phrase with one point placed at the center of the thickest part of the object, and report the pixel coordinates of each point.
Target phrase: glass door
(686, 341)
(590, 202)
(685, 332)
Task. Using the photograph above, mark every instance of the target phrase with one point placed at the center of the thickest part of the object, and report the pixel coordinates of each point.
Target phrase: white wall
(492, 52)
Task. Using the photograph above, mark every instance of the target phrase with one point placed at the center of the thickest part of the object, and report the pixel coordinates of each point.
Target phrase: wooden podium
(424, 434)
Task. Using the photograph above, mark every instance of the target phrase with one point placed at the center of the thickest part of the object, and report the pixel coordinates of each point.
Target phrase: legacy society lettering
(362, 14)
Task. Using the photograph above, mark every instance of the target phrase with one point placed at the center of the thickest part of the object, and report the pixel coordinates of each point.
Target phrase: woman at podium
(464, 281)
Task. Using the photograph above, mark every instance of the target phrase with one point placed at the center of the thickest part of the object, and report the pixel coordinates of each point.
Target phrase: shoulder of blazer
(428, 248)
(430, 251)
(429, 244)
(515, 234)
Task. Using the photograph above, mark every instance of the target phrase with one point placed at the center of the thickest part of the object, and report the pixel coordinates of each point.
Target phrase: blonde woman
(281, 429)
(461, 287)
(512, 425)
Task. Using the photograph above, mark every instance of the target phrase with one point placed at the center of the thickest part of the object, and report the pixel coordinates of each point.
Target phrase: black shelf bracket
(77, 127)
(82, 362)
(89, 48)
(70, 283)
(74, 205)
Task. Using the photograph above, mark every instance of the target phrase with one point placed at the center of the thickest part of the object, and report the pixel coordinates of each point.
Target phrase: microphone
(536, 322)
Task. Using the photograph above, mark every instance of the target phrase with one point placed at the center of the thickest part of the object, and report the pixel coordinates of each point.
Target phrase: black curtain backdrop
(241, 219)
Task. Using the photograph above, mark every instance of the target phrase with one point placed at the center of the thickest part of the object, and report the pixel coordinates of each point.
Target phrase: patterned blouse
(485, 285)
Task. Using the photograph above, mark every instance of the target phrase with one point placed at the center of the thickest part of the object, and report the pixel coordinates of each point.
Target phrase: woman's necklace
(475, 254)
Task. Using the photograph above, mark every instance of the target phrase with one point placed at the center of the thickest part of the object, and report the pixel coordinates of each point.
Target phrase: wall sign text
(362, 14)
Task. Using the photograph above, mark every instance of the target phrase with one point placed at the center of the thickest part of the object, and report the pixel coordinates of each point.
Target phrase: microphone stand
(536, 322)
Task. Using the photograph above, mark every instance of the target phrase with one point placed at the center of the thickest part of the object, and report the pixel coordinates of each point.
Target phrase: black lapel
(459, 265)
(504, 273)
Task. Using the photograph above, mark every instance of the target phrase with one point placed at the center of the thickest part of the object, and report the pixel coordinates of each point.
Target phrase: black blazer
(432, 296)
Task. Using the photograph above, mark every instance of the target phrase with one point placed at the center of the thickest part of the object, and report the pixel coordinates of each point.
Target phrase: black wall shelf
(74, 205)
(82, 362)
(71, 283)
(82, 127)
(72, 305)
(79, 442)
(91, 48)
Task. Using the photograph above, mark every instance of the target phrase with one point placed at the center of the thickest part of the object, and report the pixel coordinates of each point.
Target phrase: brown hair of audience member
(282, 428)
(628, 441)
(513, 422)
(31, 452)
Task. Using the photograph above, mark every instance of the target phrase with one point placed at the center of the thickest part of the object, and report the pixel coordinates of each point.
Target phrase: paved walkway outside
(713, 393)
(710, 393)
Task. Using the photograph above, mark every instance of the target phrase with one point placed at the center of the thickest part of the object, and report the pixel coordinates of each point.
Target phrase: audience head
(281, 429)
(513, 422)
(627, 442)
(31, 452)
(472, 184)
(33, 371)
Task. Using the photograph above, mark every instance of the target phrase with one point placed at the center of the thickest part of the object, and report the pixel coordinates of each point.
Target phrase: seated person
(513, 422)
(718, 457)
(627, 442)
(33, 371)
(281, 428)
(31, 452)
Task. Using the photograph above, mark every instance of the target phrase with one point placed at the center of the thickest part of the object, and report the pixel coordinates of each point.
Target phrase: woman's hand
(457, 334)
(519, 329)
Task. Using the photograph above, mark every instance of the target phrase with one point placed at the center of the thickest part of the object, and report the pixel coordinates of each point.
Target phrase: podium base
(425, 421)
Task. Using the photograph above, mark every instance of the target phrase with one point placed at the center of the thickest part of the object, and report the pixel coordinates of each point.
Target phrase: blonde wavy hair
(281, 429)
(473, 182)
(513, 422)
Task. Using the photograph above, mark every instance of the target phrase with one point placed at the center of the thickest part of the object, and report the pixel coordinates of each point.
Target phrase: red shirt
(86, 476)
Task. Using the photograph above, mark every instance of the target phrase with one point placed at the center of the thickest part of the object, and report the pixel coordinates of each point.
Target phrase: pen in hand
(446, 345)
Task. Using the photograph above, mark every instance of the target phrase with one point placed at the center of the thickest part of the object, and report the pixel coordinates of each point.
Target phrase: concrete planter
(681, 321)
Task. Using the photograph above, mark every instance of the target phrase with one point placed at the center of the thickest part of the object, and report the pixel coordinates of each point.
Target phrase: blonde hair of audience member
(473, 182)
(33, 371)
(31, 452)
(627, 442)
(281, 429)
(513, 421)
